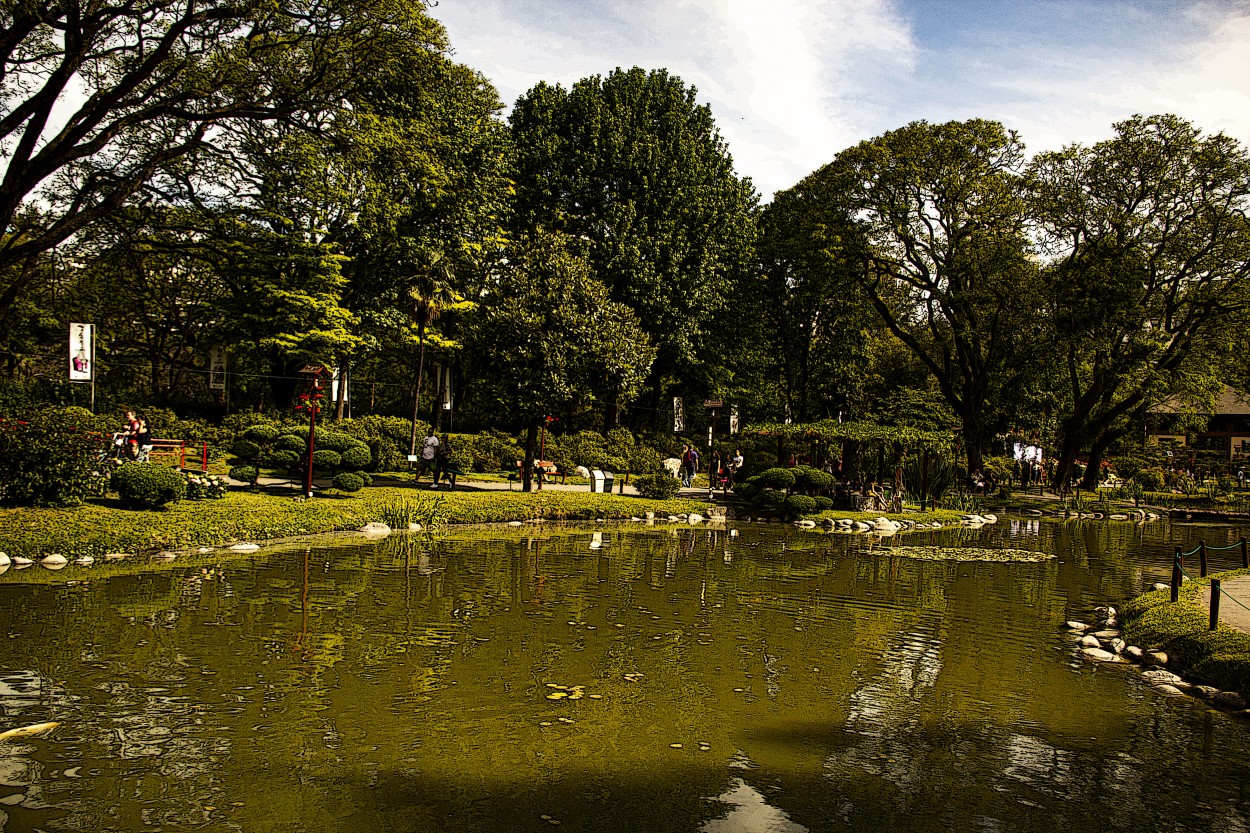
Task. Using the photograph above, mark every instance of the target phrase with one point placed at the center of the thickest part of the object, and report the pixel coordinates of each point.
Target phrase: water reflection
(806, 681)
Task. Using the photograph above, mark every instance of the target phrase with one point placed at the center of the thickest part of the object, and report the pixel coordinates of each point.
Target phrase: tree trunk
(612, 412)
(416, 398)
(527, 466)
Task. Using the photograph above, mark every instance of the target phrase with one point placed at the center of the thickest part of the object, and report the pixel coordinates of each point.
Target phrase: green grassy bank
(100, 527)
(1219, 658)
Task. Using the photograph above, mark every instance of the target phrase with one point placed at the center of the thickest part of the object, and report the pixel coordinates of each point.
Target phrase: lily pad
(969, 554)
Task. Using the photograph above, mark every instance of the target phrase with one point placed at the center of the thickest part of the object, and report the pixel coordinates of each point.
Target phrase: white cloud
(792, 82)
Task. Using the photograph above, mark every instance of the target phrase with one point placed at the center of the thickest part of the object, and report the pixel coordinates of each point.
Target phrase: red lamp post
(311, 402)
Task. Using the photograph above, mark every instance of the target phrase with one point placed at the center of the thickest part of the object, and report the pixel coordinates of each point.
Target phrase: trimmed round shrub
(284, 459)
(148, 485)
(616, 465)
(776, 478)
(746, 491)
(348, 481)
(357, 456)
(800, 505)
(811, 480)
(324, 458)
(291, 442)
(769, 499)
(364, 477)
(332, 440)
(245, 449)
(248, 474)
(262, 434)
(386, 455)
(823, 503)
(656, 486)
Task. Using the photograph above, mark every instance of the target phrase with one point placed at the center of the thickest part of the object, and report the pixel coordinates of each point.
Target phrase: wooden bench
(542, 473)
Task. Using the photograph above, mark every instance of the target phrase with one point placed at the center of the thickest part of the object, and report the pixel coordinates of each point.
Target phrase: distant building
(1228, 424)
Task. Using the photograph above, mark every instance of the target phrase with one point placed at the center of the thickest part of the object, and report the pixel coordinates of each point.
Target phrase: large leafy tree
(635, 167)
(934, 217)
(548, 334)
(97, 99)
(1149, 271)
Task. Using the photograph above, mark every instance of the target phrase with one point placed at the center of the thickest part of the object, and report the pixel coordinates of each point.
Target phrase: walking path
(1234, 606)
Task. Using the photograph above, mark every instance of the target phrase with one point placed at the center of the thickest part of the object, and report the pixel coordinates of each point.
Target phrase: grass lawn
(103, 526)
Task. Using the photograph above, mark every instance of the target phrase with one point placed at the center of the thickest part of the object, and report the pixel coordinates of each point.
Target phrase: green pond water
(620, 679)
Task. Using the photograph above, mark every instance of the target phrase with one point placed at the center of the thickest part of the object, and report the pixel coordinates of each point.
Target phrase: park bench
(543, 469)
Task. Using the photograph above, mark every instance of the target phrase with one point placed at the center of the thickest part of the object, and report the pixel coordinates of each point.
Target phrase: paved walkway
(1234, 606)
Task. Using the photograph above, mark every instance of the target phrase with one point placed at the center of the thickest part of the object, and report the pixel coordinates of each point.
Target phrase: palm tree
(429, 292)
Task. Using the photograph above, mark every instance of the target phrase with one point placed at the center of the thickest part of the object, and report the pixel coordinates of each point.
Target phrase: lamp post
(312, 403)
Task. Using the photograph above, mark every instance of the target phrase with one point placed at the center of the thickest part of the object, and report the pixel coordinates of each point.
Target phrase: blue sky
(792, 82)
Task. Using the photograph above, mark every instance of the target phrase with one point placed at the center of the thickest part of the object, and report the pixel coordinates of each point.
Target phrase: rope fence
(1217, 592)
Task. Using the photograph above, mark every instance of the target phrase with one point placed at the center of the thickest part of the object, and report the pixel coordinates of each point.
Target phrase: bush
(245, 449)
(324, 458)
(290, 442)
(357, 456)
(494, 451)
(248, 474)
(776, 478)
(284, 459)
(1151, 480)
(769, 499)
(347, 481)
(332, 440)
(205, 487)
(47, 459)
(809, 479)
(148, 485)
(364, 478)
(658, 486)
(261, 434)
(747, 490)
(387, 455)
(797, 505)
(823, 503)
(644, 459)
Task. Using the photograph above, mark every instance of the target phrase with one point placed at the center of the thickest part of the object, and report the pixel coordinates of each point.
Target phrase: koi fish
(28, 731)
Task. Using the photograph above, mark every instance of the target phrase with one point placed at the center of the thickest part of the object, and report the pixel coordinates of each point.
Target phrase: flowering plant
(205, 487)
(313, 401)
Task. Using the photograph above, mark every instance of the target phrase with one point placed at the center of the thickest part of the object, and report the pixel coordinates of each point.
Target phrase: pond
(619, 678)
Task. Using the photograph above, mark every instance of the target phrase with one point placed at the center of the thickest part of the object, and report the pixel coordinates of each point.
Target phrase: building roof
(1229, 402)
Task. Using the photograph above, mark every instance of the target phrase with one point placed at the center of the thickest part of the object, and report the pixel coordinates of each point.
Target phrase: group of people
(134, 442)
(721, 469)
(436, 459)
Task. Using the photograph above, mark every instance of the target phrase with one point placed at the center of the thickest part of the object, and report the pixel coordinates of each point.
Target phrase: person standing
(429, 450)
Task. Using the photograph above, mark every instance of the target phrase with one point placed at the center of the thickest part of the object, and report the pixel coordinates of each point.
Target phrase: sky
(793, 82)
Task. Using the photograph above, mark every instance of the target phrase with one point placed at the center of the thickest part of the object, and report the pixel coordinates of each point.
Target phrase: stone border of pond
(1184, 655)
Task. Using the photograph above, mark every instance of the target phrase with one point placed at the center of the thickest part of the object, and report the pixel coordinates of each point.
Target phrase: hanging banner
(336, 379)
(444, 387)
(81, 352)
(217, 368)
(733, 418)
(679, 416)
(787, 413)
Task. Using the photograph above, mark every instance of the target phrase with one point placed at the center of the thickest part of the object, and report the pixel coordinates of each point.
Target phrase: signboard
(81, 352)
(217, 368)
(679, 416)
(713, 403)
(733, 418)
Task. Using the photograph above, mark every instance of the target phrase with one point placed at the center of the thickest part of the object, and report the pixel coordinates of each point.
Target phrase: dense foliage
(47, 459)
(148, 485)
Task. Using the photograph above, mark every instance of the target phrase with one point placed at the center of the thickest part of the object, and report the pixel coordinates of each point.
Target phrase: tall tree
(634, 166)
(548, 333)
(1150, 266)
(935, 218)
(97, 98)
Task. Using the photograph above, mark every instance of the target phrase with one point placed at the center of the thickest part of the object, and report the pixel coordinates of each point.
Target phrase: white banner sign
(217, 368)
(733, 419)
(81, 352)
(679, 416)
